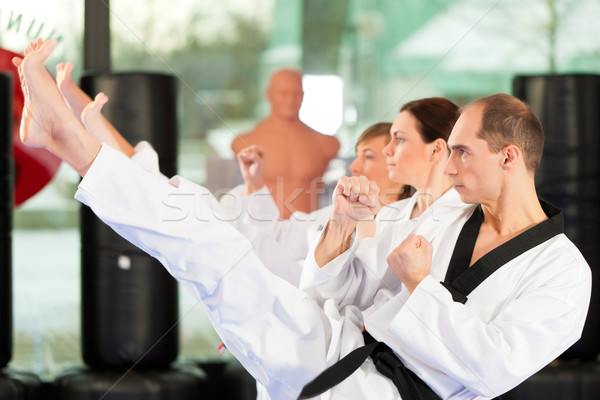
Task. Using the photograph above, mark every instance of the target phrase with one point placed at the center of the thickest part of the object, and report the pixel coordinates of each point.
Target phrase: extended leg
(89, 111)
(101, 128)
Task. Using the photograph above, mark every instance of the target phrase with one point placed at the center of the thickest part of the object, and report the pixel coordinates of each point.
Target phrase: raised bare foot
(47, 121)
(91, 112)
(101, 129)
(64, 76)
(93, 120)
(76, 98)
(41, 113)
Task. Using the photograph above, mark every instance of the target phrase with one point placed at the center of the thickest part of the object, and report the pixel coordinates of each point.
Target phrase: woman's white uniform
(355, 276)
(513, 324)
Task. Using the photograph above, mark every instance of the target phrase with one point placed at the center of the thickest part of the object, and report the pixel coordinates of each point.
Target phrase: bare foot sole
(45, 109)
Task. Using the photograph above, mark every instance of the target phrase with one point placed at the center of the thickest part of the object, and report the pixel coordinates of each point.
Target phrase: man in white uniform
(525, 314)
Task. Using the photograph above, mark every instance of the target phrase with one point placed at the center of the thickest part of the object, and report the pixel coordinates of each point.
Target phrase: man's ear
(510, 155)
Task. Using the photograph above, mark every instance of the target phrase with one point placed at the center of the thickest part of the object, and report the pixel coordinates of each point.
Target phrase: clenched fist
(411, 260)
(355, 198)
(252, 164)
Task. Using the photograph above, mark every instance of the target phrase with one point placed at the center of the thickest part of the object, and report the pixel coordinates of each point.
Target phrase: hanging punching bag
(21, 386)
(129, 302)
(6, 203)
(569, 174)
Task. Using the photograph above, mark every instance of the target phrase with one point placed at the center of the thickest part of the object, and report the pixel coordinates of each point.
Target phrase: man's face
(474, 169)
(285, 95)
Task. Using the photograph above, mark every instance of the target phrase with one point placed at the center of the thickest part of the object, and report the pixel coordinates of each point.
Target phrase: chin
(463, 196)
(393, 176)
(467, 199)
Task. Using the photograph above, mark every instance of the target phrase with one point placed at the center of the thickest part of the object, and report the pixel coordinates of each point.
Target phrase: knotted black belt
(410, 386)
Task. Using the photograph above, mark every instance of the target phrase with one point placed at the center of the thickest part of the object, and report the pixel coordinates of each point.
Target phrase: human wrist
(253, 187)
(341, 227)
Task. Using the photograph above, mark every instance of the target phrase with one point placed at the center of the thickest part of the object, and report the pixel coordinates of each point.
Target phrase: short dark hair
(507, 120)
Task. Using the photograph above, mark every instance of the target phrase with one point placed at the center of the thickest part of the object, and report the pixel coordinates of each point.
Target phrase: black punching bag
(6, 203)
(569, 175)
(129, 301)
(177, 383)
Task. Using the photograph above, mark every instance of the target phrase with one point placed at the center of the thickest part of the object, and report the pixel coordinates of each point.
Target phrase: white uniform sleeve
(292, 234)
(259, 219)
(257, 209)
(280, 244)
(338, 280)
(145, 156)
(255, 216)
(353, 277)
(281, 337)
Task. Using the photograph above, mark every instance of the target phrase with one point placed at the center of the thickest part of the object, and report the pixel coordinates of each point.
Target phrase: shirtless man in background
(298, 155)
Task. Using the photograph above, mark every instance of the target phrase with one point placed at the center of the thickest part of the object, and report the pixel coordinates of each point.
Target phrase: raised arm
(354, 199)
(252, 164)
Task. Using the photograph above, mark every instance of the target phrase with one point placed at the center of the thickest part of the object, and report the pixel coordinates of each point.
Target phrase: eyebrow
(459, 147)
(366, 149)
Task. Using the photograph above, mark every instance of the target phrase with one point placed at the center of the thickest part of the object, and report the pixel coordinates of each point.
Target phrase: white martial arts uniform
(295, 237)
(237, 208)
(514, 323)
(282, 245)
(355, 276)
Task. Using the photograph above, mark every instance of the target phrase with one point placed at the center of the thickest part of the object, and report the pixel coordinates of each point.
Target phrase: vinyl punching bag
(177, 383)
(6, 202)
(569, 175)
(129, 301)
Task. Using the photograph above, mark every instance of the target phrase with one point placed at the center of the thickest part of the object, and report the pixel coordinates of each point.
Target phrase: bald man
(297, 155)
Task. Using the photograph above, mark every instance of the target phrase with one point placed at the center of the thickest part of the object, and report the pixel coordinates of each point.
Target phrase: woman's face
(407, 155)
(370, 161)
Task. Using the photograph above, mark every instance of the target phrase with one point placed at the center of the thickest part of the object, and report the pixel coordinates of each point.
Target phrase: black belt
(409, 385)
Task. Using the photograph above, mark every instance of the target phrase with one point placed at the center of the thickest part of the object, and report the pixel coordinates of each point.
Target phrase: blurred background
(374, 55)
